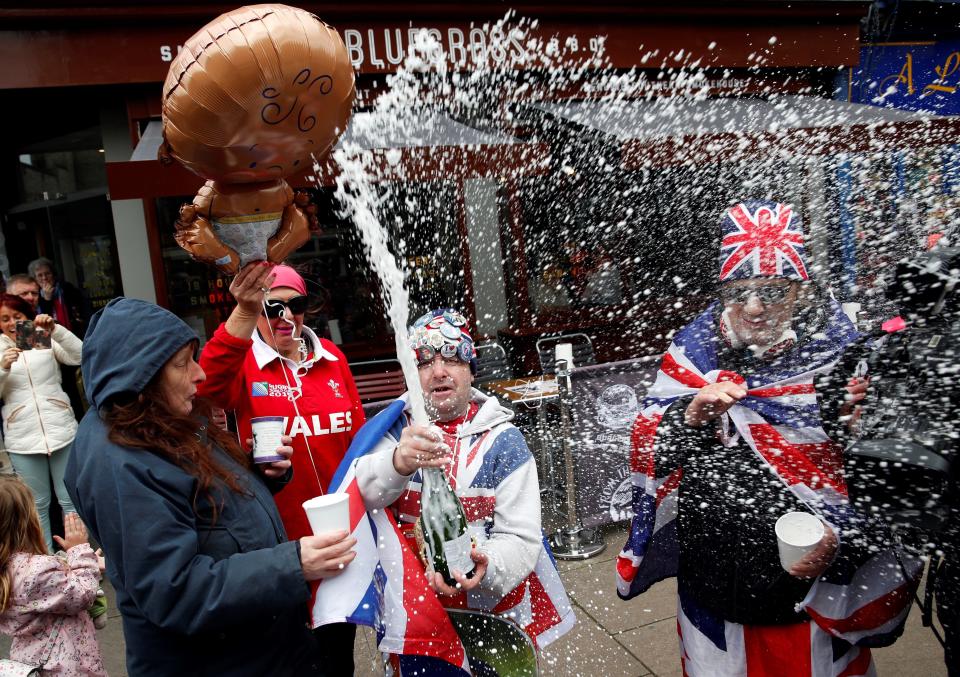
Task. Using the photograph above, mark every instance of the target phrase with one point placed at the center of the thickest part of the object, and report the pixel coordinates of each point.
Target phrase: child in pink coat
(44, 600)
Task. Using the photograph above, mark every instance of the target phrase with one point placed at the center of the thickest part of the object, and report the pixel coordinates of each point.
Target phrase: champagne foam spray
(355, 191)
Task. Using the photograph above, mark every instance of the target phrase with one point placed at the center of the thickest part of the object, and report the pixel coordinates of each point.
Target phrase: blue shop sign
(920, 77)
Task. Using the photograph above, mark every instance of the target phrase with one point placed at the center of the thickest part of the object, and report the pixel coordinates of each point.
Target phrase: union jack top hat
(762, 239)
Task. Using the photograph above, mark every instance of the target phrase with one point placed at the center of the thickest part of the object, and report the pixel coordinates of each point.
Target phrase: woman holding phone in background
(38, 421)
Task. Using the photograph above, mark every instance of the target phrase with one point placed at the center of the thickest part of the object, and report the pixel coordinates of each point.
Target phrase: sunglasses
(768, 295)
(296, 305)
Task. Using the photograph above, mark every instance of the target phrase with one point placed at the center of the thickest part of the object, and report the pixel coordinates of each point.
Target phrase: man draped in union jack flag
(494, 475)
(731, 437)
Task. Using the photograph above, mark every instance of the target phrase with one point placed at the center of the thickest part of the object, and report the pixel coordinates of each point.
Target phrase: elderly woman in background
(58, 298)
(38, 421)
(206, 579)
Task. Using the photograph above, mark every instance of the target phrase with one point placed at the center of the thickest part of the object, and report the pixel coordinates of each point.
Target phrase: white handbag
(12, 668)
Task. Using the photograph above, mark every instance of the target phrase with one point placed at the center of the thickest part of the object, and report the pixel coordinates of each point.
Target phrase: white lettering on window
(374, 59)
(498, 45)
(478, 45)
(458, 53)
(166, 52)
(394, 52)
(354, 42)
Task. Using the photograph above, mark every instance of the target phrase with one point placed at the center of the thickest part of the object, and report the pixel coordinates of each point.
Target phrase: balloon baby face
(254, 93)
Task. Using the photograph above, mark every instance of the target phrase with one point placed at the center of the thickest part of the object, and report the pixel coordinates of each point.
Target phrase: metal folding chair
(492, 363)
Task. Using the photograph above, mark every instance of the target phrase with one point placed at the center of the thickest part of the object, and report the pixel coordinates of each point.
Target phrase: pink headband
(288, 277)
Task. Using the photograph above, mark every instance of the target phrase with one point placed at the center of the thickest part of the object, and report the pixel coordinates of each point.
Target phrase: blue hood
(126, 344)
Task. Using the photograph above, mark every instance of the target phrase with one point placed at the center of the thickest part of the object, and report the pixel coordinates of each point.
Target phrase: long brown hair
(20, 530)
(146, 421)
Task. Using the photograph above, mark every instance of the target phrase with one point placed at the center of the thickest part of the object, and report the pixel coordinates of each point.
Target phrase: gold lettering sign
(945, 73)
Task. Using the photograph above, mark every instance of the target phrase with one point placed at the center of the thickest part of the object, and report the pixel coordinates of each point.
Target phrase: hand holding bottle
(464, 584)
(420, 446)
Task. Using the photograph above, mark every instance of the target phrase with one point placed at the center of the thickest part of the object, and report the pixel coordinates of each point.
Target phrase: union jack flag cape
(850, 606)
(384, 586)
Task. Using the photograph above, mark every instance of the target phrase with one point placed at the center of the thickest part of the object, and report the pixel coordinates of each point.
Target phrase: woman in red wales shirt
(254, 362)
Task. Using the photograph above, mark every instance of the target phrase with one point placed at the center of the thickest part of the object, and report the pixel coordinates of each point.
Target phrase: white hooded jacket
(512, 538)
(37, 416)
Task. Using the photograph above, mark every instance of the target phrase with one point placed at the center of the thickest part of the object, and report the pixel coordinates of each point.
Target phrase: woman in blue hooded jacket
(206, 580)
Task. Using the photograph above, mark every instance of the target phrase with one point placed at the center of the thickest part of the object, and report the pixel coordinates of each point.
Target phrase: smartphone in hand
(30, 336)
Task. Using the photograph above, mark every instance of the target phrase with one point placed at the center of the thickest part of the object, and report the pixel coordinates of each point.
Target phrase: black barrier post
(573, 541)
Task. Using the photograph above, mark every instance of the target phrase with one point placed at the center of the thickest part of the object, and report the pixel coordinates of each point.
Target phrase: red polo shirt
(251, 379)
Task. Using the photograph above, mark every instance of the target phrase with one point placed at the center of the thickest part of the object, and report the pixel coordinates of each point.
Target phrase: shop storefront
(909, 196)
(55, 197)
(630, 241)
(539, 217)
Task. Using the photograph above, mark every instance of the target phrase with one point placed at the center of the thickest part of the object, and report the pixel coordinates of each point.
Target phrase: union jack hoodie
(495, 477)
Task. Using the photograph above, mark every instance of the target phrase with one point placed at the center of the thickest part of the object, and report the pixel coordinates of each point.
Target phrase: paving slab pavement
(612, 638)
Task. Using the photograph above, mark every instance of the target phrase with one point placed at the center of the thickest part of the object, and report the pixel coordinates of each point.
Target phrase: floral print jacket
(45, 589)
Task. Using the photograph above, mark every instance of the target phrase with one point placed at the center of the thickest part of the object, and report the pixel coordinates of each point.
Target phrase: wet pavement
(612, 638)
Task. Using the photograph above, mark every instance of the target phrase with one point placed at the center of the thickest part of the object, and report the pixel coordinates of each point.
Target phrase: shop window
(568, 252)
(424, 230)
(53, 175)
(598, 246)
(195, 293)
(63, 211)
(632, 255)
(77, 234)
(884, 207)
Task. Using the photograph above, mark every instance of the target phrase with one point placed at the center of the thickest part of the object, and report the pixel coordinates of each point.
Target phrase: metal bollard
(573, 541)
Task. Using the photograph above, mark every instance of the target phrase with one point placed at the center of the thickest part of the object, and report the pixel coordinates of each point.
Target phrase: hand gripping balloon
(248, 100)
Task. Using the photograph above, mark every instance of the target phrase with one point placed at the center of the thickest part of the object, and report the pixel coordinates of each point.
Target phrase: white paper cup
(564, 351)
(328, 513)
(797, 534)
(267, 431)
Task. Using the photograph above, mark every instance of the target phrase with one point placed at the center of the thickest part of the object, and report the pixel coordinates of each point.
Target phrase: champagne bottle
(443, 524)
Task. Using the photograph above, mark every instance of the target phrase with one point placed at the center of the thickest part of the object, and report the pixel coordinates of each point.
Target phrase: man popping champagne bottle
(480, 519)
(443, 362)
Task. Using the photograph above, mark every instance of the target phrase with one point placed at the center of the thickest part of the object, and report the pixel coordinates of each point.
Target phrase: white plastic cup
(328, 513)
(267, 431)
(797, 534)
(565, 352)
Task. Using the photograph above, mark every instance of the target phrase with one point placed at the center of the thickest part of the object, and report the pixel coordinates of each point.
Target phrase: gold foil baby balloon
(247, 101)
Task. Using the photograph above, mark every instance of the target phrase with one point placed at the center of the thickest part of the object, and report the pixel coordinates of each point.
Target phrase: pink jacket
(45, 589)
